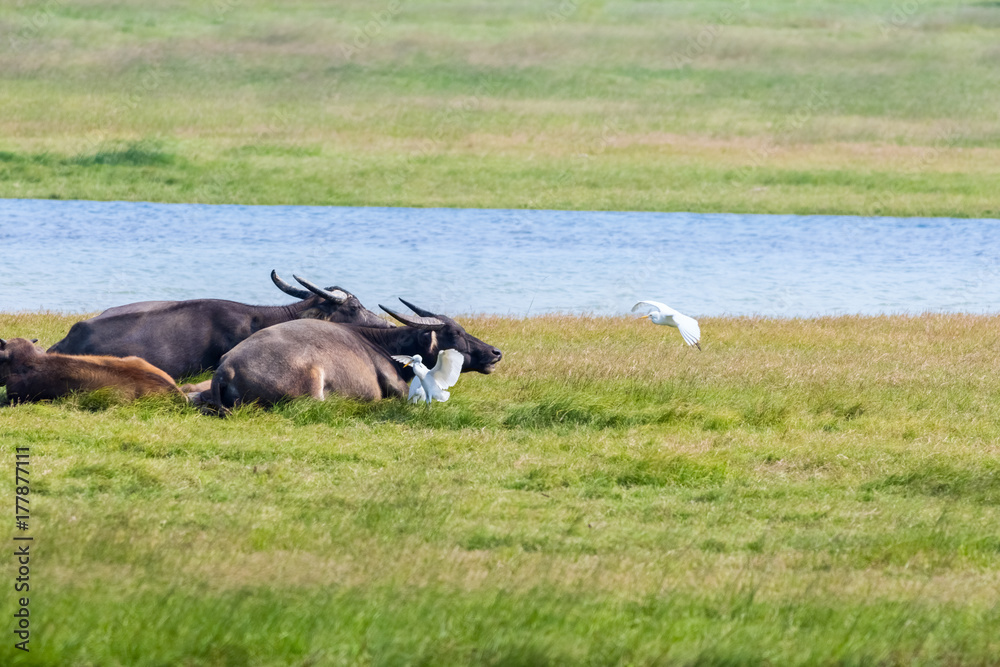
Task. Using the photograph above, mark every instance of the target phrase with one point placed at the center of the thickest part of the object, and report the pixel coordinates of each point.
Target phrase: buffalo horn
(431, 323)
(337, 296)
(418, 311)
(288, 289)
(3, 343)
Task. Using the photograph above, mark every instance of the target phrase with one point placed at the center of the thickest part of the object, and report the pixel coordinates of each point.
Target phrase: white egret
(432, 384)
(664, 314)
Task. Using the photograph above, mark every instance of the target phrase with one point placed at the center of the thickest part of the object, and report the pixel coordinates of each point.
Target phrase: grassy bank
(801, 492)
(865, 108)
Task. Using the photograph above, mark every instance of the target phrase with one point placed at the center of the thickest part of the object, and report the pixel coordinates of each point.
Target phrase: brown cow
(31, 374)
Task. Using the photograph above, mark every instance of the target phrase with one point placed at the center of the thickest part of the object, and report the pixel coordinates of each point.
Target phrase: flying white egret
(664, 314)
(432, 384)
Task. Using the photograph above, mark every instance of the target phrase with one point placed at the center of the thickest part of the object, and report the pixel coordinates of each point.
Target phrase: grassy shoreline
(764, 107)
(802, 492)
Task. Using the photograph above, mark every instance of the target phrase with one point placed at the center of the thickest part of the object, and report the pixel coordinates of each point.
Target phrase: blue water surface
(83, 256)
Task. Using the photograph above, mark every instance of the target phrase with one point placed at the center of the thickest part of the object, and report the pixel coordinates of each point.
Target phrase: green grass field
(871, 108)
(801, 492)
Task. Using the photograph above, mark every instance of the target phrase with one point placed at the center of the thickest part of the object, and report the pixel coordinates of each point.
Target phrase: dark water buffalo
(31, 374)
(187, 337)
(309, 358)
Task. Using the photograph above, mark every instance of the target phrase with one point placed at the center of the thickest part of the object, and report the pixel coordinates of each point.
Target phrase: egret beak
(407, 364)
(646, 315)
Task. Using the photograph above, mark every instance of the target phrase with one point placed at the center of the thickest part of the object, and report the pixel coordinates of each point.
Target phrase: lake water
(86, 256)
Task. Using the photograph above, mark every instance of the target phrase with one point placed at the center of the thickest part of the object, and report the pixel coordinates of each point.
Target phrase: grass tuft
(660, 470)
(979, 485)
(339, 411)
(766, 413)
(144, 153)
(581, 408)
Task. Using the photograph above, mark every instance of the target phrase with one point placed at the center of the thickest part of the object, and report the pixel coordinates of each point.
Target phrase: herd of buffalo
(324, 343)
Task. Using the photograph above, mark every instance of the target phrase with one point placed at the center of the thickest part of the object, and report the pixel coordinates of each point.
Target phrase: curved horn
(337, 296)
(431, 323)
(418, 311)
(288, 289)
(3, 343)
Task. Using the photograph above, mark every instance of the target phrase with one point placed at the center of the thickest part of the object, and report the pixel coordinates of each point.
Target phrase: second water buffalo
(186, 337)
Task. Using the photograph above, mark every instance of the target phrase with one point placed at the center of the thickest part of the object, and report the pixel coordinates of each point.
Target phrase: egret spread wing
(689, 329)
(448, 368)
(403, 358)
(662, 307)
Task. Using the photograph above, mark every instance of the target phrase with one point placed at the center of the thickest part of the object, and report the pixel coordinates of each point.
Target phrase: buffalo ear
(315, 313)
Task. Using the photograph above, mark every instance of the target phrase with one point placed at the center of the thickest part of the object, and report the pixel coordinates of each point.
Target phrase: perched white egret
(664, 314)
(432, 384)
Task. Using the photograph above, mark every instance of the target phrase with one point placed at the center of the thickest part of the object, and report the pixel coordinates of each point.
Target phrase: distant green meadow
(868, 108)
(802, 492)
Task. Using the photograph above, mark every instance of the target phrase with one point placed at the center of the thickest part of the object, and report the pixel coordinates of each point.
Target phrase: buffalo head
(332, 304)
(446, 333)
